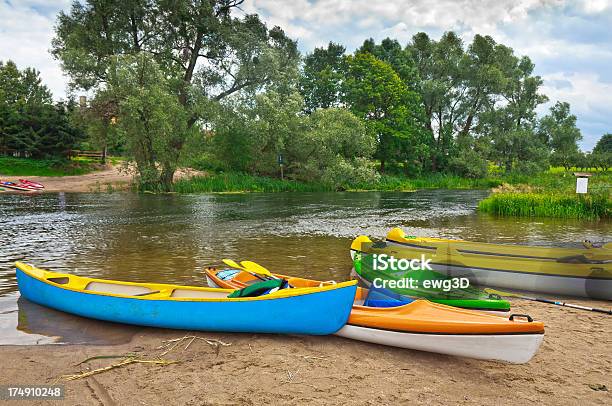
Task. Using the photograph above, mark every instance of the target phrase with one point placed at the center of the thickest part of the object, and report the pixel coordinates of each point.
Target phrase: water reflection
(170, 238)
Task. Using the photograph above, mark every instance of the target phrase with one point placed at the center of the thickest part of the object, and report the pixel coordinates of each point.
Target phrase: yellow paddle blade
(255, 268)
(500, 293)
(231, 263)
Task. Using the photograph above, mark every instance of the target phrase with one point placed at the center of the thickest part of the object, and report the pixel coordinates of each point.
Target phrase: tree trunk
(382, 166)
(166, 177)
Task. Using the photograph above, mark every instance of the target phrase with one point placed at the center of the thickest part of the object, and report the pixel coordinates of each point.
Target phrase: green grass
(240, 182)
(592, 206)
(45, 167)
(432, 181)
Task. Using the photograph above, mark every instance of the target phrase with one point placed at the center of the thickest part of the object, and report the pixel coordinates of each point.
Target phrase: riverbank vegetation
(11, 166)
(551, 195)
(191, 84)
(593, 206)
(241, 182)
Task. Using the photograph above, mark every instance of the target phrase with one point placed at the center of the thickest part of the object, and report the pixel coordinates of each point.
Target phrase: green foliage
(327, 146)
(322, 77)
(604, 145)
(149, 118)
(482, 91)
(559, 129)
(392, 112)
(469, 164)
(335, 149)
(10, 166)
(548, 205)
(432, 181)
(203, 53)
(29, 121)
(241, 182)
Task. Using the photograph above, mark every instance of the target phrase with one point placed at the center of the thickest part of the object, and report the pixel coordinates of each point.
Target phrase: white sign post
(582, 182)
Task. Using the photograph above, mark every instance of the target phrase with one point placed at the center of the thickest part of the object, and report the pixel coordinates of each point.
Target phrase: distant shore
(112, 178)
(573, 366)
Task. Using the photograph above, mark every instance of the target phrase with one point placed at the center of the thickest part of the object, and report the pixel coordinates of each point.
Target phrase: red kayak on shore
(19, 186)
(33, 184)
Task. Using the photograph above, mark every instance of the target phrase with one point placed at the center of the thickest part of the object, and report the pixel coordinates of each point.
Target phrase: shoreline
(113, 178)
(573, 366)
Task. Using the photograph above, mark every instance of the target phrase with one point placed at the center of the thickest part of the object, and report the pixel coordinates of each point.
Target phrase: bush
(469, 164)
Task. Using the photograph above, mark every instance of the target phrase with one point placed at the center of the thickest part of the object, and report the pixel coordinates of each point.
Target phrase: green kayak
(422, 283)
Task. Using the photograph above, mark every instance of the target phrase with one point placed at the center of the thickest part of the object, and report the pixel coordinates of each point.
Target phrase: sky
(570, 42)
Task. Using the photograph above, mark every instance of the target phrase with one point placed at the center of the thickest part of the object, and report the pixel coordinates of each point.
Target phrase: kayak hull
(571, 272)
(594, 288)
(21, 188)
(319, 312)
(427, 326)
(477, 305)
(516, 349)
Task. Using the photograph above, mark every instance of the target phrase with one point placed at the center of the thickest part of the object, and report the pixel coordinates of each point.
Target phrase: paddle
(553, 302)
(256, 268)
(234, 264)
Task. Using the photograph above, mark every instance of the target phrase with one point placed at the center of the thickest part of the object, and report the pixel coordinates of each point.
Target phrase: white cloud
(25, 35)
(543, 29)
(590, 100)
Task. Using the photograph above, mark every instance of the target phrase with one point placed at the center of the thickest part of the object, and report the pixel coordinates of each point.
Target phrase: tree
(335, 148)
(400, 59)
(602, 153)
(511, 126)
(322, 76)
(29, 121)
(559, 130)
(149, 117)
(392, 113)
(604, 145)
(205, 53)
(484, 90)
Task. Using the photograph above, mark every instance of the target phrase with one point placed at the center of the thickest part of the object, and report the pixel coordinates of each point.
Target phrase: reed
(431, 181)
(241, 182)
(592, 206)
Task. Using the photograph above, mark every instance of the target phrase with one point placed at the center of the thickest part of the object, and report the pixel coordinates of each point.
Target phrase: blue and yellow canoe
(317, 311)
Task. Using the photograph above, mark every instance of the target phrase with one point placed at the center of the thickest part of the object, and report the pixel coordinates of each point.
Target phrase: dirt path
(573, 367)
(112, 178)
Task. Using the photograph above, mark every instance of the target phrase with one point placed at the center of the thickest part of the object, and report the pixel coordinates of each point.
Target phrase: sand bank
(114, 177)
(573, 366)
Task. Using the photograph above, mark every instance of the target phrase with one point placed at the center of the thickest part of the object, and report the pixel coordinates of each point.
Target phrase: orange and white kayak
(422, 325)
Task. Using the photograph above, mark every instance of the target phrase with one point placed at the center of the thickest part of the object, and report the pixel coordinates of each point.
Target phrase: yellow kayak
(585, 272)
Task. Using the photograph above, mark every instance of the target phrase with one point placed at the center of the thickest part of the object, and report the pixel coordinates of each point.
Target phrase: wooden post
(280, 163)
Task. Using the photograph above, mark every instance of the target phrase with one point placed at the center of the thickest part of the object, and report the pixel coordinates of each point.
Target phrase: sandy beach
(112, 177)
(573, 366)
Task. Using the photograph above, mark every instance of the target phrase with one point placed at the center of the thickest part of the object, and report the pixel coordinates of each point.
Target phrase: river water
(171, 238)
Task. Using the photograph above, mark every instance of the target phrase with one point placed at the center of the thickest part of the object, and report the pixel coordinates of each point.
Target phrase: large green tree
(149, 117)
(205, 53)
(558, 128)
(323, 74)
(30, 122)
(400, 59)
(604, 144)
(510, 123)
(481, 90)
(392, 112)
